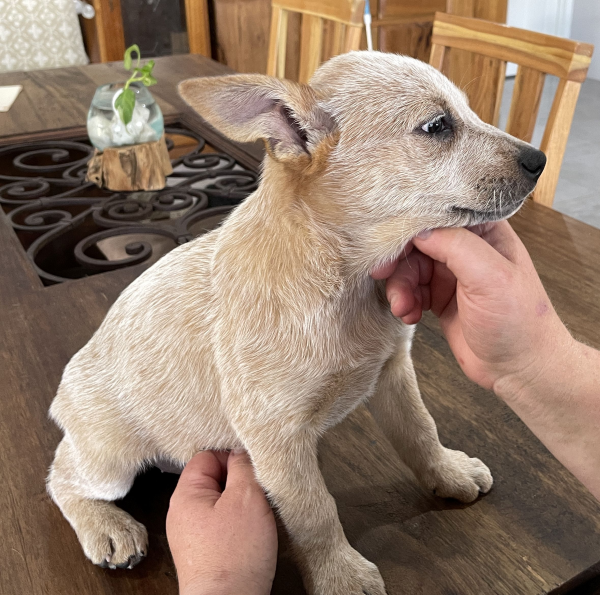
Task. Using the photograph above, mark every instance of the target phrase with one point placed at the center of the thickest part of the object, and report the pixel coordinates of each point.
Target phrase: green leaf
(149, 80)
(127, 59)
(125, 103)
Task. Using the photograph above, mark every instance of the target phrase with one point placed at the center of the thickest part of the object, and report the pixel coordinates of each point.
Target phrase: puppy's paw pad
(115, 541)
(459, 476)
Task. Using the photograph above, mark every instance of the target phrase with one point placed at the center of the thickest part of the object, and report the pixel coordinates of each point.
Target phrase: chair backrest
(536, 54)
(347, 23)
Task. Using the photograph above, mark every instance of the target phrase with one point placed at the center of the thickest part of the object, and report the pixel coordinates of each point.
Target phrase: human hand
(492, 306)
(223, 541)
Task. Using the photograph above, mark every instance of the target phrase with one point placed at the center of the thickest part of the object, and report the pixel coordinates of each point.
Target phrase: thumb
(241, 479)
(201, 478)
(468, 256)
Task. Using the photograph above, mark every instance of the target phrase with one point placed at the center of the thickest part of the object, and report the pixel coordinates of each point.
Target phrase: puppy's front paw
(456, 475)
(344, 572)
(114, 540)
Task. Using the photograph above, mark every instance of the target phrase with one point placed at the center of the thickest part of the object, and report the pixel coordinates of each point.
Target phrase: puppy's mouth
(474, 216)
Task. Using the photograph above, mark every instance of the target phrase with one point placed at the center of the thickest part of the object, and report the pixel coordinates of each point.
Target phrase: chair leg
(555, 138)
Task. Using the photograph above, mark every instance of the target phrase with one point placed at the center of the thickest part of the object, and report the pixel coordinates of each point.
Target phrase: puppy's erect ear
(248, 107)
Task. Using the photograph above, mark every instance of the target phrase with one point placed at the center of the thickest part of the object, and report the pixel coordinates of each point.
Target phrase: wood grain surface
(561, 57)
(554, 141)
(525, 103)
(198, 26)
(537, 532)
(103, 35)
(132, 167)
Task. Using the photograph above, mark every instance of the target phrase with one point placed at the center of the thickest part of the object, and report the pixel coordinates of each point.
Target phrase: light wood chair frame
(537, 55)
(347, 17)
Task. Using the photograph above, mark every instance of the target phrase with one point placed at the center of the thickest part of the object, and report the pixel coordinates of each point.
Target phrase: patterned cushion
(39, 34)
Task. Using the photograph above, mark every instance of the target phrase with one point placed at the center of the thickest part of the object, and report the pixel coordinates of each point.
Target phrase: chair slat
(555, 137)
(483, 81)
(337, 39)
(277, 43)
(352, 40)
(333, 39)
(310, 46)
(436, 59)
(198, 30)
(501, 77)
(529, 84)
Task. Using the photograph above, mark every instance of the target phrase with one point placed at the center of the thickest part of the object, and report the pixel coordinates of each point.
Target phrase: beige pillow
(38, 34)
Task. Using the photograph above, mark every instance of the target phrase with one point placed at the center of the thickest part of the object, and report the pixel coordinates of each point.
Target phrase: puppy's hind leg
(83, 487)
(399, 410)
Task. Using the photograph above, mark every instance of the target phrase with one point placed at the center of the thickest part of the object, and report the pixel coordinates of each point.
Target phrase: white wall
(586, 27)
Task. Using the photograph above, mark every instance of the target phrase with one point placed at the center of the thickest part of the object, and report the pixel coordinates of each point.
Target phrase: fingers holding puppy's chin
(407, 288)
(405, 304)
(385, 269)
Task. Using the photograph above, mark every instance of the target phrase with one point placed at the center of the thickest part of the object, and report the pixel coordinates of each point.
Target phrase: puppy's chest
(366, 338)
(342, 391)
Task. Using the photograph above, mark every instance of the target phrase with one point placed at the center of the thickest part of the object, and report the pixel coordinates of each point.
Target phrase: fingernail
(423, 235)
(393, 301)
(238, 451)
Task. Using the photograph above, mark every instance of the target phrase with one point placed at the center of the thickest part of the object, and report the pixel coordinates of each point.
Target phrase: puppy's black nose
(532, 162)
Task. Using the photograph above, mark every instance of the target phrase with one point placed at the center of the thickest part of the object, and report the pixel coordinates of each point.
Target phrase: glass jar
(105, 127)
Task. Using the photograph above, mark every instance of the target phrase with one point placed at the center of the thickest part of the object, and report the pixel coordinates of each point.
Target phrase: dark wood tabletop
(536, 532)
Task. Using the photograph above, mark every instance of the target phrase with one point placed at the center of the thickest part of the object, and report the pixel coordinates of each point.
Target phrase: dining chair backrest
(347, 23)
(536, 55)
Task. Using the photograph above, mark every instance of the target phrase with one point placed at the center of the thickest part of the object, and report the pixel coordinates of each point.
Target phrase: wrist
(223, 585)
(553, 360)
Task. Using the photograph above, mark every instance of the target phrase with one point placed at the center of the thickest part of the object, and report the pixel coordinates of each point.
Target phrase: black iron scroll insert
(71, 229)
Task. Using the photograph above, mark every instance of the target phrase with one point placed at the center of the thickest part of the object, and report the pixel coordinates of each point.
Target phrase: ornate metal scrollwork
(71, 229)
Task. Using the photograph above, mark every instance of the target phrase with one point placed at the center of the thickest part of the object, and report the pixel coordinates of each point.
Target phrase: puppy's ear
(248, 107)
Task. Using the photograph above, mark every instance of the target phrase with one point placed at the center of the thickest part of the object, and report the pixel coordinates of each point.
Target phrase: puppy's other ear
(248, 107)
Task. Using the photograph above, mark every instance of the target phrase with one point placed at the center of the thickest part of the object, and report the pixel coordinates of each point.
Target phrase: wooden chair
(105, 40)
(536, 54)
(347, 23)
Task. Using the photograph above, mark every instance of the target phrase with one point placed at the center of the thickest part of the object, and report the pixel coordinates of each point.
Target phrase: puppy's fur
(267, 331)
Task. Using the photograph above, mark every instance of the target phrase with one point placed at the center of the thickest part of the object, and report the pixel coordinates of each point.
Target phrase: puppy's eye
(437, 125)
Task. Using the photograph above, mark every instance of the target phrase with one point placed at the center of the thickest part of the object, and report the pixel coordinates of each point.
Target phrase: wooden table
(538, 531)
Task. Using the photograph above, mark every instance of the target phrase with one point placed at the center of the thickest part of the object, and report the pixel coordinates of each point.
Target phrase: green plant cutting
(125, 102)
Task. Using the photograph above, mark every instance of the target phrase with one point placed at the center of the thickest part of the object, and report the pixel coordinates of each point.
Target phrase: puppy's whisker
(464, 89)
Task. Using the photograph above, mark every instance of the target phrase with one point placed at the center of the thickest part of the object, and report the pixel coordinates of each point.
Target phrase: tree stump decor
(134, 167)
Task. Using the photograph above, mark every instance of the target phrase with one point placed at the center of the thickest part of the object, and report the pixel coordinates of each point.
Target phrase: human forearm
(560, 403)
(505, 335)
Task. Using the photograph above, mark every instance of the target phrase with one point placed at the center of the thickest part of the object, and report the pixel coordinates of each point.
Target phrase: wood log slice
(134, 167)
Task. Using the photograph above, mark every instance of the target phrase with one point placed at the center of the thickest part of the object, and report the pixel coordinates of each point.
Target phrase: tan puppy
(269, 330)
